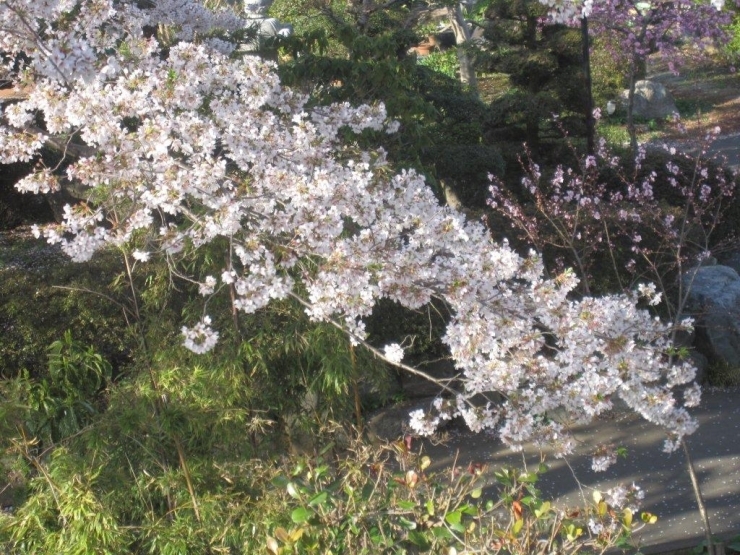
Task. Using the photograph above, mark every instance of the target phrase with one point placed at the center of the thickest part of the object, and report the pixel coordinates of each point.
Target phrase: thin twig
(699, 498)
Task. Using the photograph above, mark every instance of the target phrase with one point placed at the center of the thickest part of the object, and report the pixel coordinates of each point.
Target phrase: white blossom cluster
(192, 19)
(201, 338)
(393, 353)
(569, 11)
(617, 500)
(625, 497)
(220, 146)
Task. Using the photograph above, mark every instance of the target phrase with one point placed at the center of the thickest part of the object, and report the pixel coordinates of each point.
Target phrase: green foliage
(43, 293)
(543, 63)
(367, 500)
(732, 48)
(186, 458)
(301, 364)
(63, 513)
(368, 504)
(336, 57)
(65, 400)
(420, 330)
(607, 75)
(441, 62)
(722, 374)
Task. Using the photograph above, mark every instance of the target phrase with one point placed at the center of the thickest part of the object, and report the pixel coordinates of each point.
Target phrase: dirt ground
(707, 94)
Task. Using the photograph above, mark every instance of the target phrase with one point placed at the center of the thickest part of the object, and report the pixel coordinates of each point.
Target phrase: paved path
(715, 448)
(724, 146)
(729, 147)
(728, 143)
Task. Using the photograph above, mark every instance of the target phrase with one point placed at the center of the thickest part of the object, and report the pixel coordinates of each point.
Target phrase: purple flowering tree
(645, 27)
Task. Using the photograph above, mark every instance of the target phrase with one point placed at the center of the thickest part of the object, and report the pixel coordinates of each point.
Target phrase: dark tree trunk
(589, 103)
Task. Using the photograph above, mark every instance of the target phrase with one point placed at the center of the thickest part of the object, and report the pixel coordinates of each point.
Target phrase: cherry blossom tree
(182, 146)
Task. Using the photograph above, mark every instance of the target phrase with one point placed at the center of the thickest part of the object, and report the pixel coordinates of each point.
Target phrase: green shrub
(130, 498)
(42, 293)
(441, 62)
(465, 168)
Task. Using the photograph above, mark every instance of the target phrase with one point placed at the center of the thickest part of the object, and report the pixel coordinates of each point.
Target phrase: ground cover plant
(235, 203)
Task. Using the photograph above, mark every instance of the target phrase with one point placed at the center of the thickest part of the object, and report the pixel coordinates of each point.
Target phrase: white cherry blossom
(216, 144)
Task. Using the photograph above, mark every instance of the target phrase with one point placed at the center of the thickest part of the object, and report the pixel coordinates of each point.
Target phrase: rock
(652, 100)
(714, 302)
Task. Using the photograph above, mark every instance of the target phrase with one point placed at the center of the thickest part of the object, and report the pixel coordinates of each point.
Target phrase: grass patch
(614, 130)
(692, 107)
(722, 374)
(493, 86)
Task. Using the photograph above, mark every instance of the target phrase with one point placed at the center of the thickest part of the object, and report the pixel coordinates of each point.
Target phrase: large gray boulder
(714, 302)
(265, 28)
(652, 100)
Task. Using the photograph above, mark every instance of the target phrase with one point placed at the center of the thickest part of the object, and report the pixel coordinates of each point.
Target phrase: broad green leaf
(300, 515)
(419, 540)
(375, 536)
(469, 510)
(459, 528)
(441, 533)
(407, 524)
(543, 509)
(627, 517)
(454, 517)
(517, 526)
(319, 499)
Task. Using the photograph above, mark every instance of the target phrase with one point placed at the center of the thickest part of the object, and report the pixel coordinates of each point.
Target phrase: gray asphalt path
(726, 148)
(729, 147)
(715, 448)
